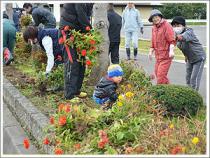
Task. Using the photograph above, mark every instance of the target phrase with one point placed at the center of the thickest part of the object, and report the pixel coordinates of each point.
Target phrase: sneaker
(135, 58)
(82, 95)
(75, 100)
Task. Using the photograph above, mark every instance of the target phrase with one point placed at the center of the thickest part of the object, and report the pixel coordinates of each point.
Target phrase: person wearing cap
(192, 49)
(163, 42)
(9, 39)
(131, 21)
(105, 90)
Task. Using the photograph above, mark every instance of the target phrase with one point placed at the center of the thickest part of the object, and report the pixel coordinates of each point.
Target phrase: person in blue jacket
(48, 40)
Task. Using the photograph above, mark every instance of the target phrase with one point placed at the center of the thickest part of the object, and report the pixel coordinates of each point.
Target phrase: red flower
(77, 146)
(92, 42)
(102, 134)
(84, 52)
(101, 145)
(87, 28)
(88, 62)
(61, 41)
(67, 108)
(52, 120)
(26, 143)
(60, 107)
(176, 150)
(58, 151)
(46, 141)
(62, 120)
(105, 140)
(72, 38)
(66, 28)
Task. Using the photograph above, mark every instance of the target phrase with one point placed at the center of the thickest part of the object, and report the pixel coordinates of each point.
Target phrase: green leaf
(120, 135)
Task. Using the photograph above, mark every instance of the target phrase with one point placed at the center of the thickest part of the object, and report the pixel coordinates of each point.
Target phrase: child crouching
(105, 90)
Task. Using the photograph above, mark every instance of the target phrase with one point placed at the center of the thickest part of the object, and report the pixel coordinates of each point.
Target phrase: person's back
(53, 33)
(76, 15)
(44, 16)
(9, 36)
(191, 47)
(115, 24)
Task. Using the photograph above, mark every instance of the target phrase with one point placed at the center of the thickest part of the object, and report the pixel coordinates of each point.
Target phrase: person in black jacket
(76, 16)
(105, 90)
(40, 15)
(115, 24)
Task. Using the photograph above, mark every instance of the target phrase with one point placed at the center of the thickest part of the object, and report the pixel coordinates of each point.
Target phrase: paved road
(176, 72)
(13, 135)
(200, 31)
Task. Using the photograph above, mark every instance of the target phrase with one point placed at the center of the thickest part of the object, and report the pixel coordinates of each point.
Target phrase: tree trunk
(101, 24)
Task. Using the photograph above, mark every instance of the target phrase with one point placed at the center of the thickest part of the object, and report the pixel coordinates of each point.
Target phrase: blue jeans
(99, 100)
(131, 36)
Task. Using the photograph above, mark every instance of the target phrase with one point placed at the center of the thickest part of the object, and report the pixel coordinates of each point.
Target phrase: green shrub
(178, 100)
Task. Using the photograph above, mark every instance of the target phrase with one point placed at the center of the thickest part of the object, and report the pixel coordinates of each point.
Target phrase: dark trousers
(114, 50)
(73, 74)
(194, 73)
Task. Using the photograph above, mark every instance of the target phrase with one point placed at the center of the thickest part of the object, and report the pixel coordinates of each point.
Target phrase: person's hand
(171, 51)
(171, 54)
(151, 52)
(179, 37)
(142, 30)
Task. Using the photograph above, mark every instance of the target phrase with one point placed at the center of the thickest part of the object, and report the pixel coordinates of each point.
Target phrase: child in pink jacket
(163, 42)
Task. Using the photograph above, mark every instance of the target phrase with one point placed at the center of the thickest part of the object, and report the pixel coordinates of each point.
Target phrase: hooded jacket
(44, 16)
(106, 88)
(162, 36)
(131, 19)
(191, 47)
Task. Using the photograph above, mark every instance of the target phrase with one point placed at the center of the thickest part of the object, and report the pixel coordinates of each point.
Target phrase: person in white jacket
(131, 21)
(48, 40)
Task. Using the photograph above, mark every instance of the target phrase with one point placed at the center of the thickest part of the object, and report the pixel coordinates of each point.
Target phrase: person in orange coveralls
(163, 42)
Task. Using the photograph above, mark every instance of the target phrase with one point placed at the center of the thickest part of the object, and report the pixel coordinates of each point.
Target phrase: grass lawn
(144, 47)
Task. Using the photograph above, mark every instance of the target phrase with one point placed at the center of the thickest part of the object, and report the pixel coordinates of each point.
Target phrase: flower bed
(136, 124)
(132, 126)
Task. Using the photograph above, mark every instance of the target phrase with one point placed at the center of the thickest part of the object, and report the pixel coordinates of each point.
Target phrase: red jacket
(162, 37)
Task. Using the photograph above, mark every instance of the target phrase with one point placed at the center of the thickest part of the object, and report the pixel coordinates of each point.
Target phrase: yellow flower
(119, 103)
(129, 94)
(129, 86)
(183, 149)
(171, 126)
(120, 97)
(195, 140)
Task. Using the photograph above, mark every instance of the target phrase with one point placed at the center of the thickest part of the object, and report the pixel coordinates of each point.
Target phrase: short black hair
(26, 5)
(31, 32)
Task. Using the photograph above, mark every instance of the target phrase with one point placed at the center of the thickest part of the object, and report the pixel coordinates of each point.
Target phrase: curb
(26, 113)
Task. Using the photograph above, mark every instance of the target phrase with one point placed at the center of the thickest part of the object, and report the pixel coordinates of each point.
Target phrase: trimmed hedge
(178, 100)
